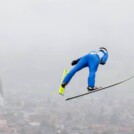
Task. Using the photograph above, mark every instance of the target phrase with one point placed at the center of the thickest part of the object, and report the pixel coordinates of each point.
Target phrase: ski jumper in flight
(90, 60)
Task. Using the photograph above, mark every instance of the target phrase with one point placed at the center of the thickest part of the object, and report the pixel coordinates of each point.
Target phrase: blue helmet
(105, 57)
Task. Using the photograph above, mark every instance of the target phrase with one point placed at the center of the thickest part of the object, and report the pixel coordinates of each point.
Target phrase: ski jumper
(92, 61)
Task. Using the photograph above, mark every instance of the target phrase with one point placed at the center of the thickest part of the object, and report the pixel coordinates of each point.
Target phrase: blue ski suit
(92, 61)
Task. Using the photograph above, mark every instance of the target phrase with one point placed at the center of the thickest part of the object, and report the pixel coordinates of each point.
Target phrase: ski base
(84, 94)
(99, 89)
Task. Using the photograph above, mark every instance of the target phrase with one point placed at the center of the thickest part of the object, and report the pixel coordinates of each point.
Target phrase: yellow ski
(61, 89)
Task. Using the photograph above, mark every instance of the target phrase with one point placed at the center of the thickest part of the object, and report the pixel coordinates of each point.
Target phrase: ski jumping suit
(92, 61)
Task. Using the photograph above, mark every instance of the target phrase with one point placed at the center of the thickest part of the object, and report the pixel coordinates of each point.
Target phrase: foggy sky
(39, 38)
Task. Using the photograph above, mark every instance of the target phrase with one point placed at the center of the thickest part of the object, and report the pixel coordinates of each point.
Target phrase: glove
(74, 62)
(102, 63)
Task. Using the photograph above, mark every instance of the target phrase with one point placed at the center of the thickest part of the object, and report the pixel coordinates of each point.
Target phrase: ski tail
(65, 72)
(61, 89)
(100, 89)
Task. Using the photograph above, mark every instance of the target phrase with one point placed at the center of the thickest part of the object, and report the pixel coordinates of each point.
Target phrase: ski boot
(91, 88)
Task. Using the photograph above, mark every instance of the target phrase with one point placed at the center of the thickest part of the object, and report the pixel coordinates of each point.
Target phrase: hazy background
(39, 38)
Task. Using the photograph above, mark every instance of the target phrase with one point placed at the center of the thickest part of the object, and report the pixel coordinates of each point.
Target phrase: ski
(61, 89)
(99, 89)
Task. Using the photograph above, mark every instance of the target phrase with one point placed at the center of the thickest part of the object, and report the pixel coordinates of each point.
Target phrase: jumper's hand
(74, 62)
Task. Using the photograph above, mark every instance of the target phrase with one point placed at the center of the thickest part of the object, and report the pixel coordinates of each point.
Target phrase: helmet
(105, 57)
(103, 49)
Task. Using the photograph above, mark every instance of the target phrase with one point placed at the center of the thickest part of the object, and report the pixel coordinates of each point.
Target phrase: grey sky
(39, 38)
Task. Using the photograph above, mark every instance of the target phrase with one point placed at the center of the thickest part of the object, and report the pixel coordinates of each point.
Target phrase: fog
(39, 39)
